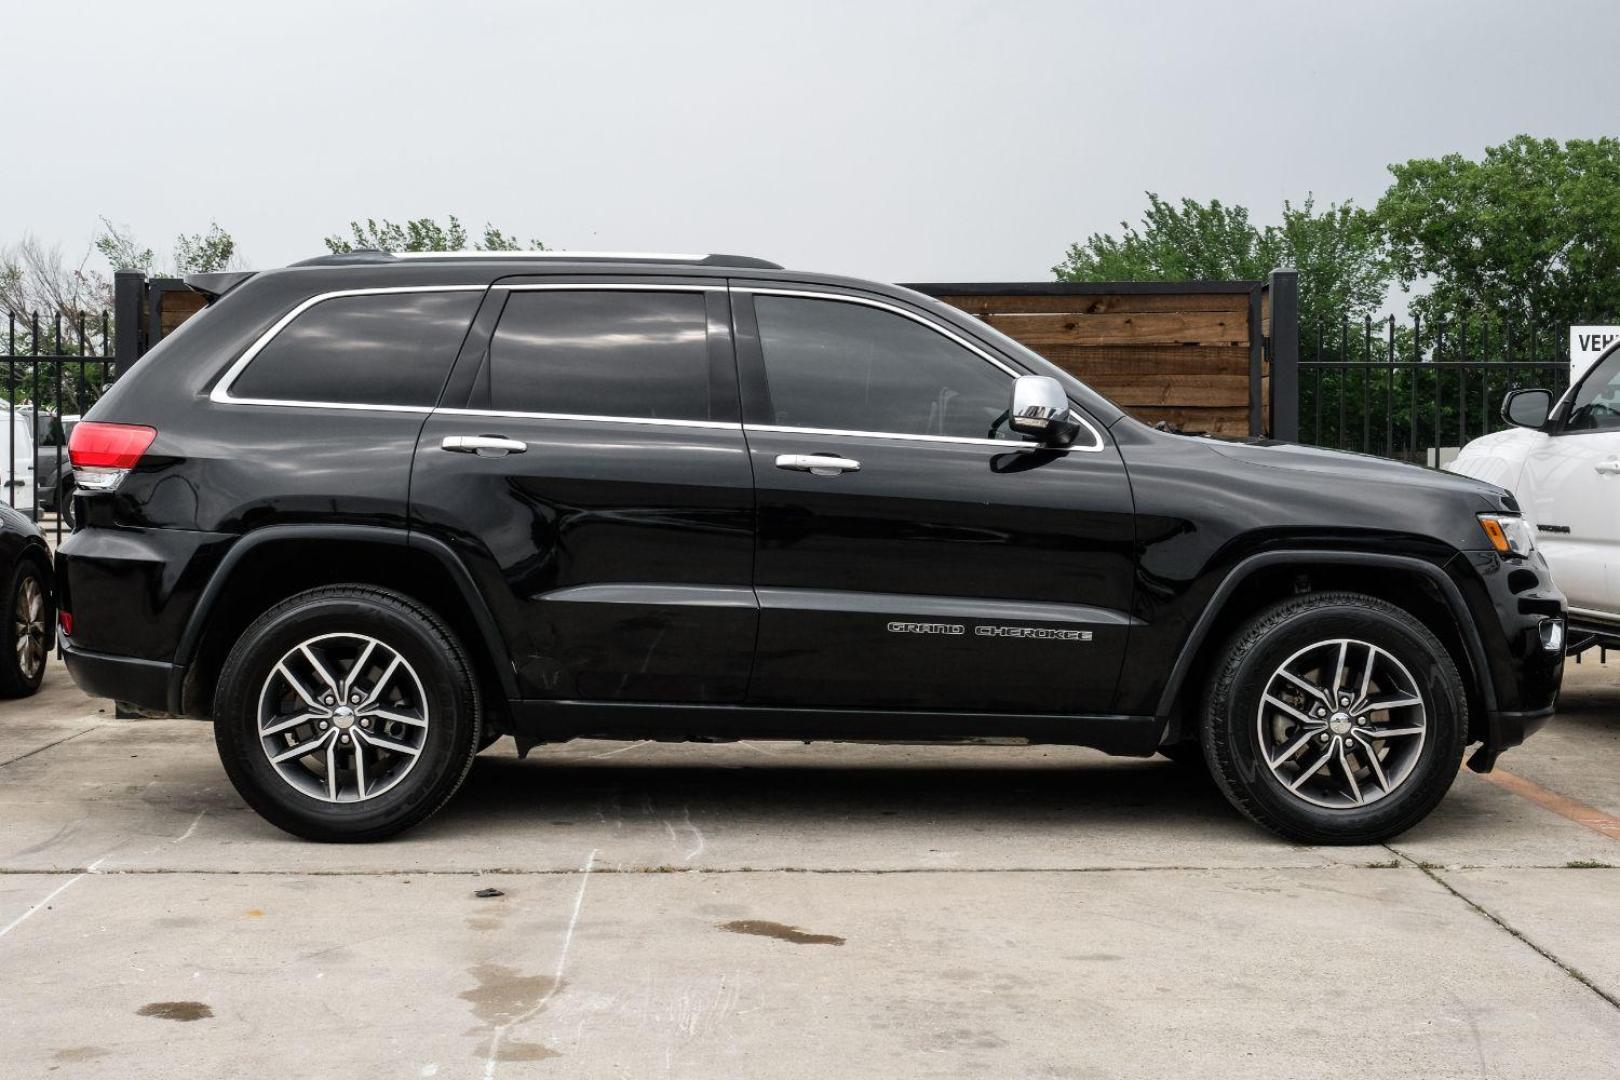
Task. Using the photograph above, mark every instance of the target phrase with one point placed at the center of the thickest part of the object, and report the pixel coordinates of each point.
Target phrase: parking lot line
(1562, 805)
(54, 893)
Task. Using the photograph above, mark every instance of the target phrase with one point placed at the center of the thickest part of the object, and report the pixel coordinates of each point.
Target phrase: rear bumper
(144, 683)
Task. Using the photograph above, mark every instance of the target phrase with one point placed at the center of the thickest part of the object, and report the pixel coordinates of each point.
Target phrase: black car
(370, 512)
(53, 470)
(30, 623)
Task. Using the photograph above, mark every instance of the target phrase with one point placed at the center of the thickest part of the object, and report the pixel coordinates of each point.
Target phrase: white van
(17, 459)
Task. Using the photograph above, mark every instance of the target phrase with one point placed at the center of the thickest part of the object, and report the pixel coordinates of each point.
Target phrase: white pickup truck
(1562, 461)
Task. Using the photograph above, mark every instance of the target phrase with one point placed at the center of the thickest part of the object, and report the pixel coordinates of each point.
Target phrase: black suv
(370, 512)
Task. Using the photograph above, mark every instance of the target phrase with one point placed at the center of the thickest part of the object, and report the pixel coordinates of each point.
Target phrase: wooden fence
(1191, 354)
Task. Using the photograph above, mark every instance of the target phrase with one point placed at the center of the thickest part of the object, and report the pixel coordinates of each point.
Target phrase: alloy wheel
(343, 717)
(28, 617)
(1341, 724)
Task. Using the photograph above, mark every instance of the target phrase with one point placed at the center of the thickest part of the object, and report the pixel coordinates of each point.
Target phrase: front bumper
(1510, 600)
(1506, 730)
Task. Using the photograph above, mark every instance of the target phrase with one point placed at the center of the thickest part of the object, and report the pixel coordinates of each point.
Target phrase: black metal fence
(1420, 390)
(55, 367)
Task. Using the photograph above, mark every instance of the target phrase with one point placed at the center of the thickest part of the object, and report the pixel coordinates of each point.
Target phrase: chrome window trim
(221, 394)
(1008, 444)
(1097, 444)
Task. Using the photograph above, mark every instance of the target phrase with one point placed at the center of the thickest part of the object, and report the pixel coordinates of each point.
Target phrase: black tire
(20, 676)
(450, 742)
(1232, 740)
(64, 502)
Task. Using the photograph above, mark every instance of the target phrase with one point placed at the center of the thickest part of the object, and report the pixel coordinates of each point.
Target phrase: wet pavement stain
(183, 1011)
(502, 994)
(780, 931)
(522, 1051)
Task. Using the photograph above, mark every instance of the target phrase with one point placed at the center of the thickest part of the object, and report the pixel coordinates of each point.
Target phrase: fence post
(129, 317)
(1284, 287)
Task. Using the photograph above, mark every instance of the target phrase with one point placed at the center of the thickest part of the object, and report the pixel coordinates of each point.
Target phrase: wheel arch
(273, 563)
(1274, 575)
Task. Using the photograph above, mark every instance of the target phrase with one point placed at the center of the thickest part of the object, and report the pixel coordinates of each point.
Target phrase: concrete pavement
(778, 910)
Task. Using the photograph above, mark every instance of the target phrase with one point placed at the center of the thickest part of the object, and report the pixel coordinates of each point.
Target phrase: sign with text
(1586, 344)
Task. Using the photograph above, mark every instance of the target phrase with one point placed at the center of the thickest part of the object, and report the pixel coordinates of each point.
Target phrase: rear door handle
(817, 464)
(1608, 468)
(483, 445)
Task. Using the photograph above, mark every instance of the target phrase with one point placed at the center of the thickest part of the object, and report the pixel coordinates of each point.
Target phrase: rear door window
(620, 353)
(371, 349)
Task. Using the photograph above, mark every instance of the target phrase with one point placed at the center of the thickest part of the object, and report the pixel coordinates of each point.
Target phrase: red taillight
(65, 618)
(108, 446)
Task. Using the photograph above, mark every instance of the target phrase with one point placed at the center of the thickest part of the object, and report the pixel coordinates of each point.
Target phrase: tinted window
(382, 349)
(856, 368)
(1597, 402)
(602, 353)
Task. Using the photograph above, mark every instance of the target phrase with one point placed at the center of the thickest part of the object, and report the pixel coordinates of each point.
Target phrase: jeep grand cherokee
(370, 512)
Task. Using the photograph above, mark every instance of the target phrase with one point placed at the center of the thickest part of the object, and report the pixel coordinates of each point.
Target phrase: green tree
(1533, 226)
(1191, 241)
(1339, 252)
(122, 251)
(422, 234)
(204, 253)
(1344, 270)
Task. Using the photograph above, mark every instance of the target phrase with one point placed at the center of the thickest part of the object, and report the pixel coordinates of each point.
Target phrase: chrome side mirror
(1040, 409)
(1527, 408)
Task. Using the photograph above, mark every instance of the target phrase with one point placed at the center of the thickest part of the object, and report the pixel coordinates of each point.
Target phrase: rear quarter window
(372, 349)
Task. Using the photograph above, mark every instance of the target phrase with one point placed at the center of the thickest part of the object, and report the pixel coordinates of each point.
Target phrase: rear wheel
(22, 654)
(347, 713)
(1335, 718)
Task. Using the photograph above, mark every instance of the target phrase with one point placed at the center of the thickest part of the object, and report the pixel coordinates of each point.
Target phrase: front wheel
(1335, 718)
(347, 713)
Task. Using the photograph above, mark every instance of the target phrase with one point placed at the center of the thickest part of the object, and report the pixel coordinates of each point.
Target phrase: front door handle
(482, 445)
(1608, 468)
(817, 464)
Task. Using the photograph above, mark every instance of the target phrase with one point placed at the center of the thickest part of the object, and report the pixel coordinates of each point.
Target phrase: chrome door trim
(1080, 418)
(719, 425)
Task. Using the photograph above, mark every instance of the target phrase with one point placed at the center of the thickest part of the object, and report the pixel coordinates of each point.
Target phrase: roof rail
(368, 255)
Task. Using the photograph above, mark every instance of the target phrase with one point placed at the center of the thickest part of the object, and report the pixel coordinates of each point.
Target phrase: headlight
(1509, 534)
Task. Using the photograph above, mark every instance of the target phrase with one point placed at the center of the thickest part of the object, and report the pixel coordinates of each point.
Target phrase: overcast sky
(937, 140)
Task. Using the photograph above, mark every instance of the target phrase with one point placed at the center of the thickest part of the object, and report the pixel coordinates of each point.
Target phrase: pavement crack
(665, 870)
(47, 746)
(1502, 924)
